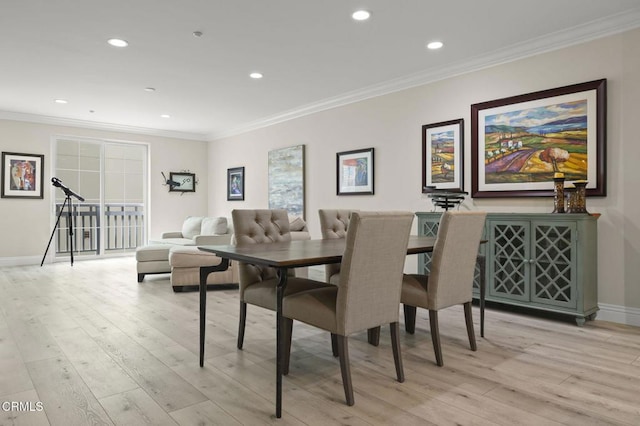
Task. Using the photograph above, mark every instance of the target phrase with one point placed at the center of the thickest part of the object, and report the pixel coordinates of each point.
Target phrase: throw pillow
(191, 226)
(296, 224)
(214, 226)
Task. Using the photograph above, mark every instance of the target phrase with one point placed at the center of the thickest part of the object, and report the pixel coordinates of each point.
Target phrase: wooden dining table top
(300, 253)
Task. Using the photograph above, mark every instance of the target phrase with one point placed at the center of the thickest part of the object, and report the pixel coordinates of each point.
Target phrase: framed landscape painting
(354, 172)
(442, 156)
(22, 175)
(519, 143)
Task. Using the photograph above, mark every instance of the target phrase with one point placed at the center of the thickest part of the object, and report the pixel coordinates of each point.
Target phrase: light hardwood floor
(95, 347)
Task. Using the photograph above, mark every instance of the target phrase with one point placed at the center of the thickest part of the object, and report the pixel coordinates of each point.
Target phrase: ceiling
(312, 54)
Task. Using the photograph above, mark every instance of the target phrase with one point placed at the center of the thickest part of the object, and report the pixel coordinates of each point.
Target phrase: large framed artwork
(354, 172)
(22, 175)
(286, 179)
(443, 156)
(235, 184)
(519, 143)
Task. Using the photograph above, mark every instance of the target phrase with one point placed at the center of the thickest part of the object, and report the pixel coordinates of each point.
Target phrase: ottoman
(185, 264)
(153, 259)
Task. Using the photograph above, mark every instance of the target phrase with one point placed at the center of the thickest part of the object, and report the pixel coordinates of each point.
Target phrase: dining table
(286, 255)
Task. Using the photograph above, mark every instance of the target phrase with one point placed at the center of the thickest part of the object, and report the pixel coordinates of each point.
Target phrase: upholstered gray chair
(333, 225)
(368, 294)
(451, 279)
(258, 284)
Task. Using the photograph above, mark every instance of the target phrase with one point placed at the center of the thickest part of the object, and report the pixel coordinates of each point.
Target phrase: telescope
(58, 184)
(67, 202)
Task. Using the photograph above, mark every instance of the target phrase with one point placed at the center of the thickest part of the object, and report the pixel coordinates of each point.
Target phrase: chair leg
(373, 336)
(288, 332)
(409, 318)
(435, 336)
(241, 324)
(469, 320)
(343, 350)
(395, 345)
(334, 345)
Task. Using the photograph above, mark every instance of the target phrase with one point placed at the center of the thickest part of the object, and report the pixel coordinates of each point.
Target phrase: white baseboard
(20, 261)
(619, 314)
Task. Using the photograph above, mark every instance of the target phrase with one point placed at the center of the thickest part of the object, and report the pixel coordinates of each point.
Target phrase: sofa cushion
(191, 226)
(174, 241)
(152, 253)
(214, 226)
(296, 224)
(189, 257)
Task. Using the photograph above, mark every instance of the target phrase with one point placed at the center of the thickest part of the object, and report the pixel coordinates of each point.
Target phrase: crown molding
(554, 41)
(59, 121)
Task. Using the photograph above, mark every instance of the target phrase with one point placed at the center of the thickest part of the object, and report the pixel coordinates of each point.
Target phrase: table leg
(204, 273)
(482, 264)
(282, 284)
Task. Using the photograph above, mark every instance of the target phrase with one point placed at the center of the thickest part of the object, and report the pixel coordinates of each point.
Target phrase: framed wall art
(186, 182)
(354, 172)
(286, 179)
(22, 175)
(519, 143)
(443, 156)
(235, 184)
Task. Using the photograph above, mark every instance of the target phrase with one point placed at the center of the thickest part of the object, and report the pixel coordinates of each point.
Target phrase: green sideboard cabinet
(535, 260)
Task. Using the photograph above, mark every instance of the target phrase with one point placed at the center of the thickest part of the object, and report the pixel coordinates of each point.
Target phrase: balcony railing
(123, 223)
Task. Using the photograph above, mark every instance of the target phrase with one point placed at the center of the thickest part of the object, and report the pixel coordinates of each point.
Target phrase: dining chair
(368, 293)
(334, 224)
(451, 279)
(257, 284)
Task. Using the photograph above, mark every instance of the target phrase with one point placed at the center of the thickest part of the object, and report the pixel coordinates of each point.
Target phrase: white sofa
(198, 231)
(176, 252)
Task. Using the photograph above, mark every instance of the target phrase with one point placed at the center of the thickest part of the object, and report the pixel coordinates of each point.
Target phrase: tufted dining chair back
(334, 224)
(258, 227)
(258, 283)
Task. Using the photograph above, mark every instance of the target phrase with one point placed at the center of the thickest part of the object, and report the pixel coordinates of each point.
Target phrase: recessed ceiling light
(117, 42)
(361, 15)
(435, 45)
(165, 116)
(61, 101)
(255, 75)
(149, 89)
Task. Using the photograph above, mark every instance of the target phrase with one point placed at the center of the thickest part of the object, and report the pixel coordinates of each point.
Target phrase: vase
(558, 194)
(578, 198)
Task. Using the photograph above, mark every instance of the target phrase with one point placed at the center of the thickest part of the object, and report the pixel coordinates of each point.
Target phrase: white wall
(26, 225)
(392, 125)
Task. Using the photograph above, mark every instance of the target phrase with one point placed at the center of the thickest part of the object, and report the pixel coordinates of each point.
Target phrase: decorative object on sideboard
(443, 198)
(577, 202)
(182, 182)
(558, 192)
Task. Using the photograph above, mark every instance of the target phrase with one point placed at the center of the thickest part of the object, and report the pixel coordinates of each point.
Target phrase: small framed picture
(186, 182)
(442, 156)
(354, 172)
(22, 175)
(235, 184)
